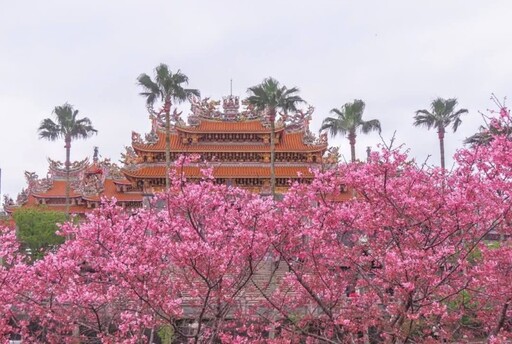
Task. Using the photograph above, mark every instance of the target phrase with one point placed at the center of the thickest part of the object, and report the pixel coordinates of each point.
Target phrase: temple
(89, 182)
(231, 137)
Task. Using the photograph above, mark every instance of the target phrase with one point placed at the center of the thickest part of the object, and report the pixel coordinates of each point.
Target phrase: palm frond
(167, 86)
(162, 74)
(334, 126)
(442, 114)
(67, 125)
(271, 95)
(49, 130)
(456, 118)
(151, 90)
(371, 125)
(349, 119)
(424, 118)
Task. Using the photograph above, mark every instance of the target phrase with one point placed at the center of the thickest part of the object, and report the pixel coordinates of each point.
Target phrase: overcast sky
(395, 55)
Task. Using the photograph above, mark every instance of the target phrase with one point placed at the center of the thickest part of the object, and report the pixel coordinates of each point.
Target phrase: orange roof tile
(218, 126)
(290, 142)
(225, 171)
(122, 181)
(58, 190)
(110, 191)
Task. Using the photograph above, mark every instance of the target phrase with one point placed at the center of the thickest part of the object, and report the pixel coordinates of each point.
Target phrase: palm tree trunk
(167, 109)
(272, 152)
(440, 133)
(352, 140)
(68, 165)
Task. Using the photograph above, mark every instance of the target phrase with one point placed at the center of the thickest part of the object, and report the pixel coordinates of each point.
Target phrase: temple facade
(233, 139)
(229, 136)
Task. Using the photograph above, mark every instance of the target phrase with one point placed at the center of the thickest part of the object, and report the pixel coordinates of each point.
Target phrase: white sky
(396, 55)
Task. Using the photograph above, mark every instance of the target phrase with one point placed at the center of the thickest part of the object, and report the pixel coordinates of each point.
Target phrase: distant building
(89, 182)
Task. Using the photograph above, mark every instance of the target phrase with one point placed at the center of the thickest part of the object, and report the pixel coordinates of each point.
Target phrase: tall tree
(68, 127)
(167, 87)
(271, 96)
(348, 121)
(36, 230)
(441, 116)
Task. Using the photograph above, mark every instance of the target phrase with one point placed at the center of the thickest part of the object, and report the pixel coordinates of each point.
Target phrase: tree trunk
(502, 318)
(67, 145)
(352, 140)
(167, 109)
(272, 152)
(440, 133)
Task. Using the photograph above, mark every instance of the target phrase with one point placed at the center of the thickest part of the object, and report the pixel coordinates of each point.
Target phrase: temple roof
(88, 182)
(57, 190)
(110, 191)
(224, 171)
(217, 126)
(290, 142)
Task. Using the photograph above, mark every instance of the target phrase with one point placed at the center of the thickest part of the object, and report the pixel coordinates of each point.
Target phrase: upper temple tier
(234, 139)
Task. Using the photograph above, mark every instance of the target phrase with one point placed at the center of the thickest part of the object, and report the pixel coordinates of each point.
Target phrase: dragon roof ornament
(297, 121)
(235, 110)
(310, 139)
(232, 110)
(36, 185)
(58, 168)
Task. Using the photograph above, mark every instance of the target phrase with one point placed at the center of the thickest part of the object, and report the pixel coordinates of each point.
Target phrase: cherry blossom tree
(404, 260)
(123, 276)
(407, 258)
(11, 269)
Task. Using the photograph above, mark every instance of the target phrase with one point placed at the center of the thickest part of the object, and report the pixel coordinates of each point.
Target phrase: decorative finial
(95, 156)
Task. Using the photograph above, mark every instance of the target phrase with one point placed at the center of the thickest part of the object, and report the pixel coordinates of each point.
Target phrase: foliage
(442, 115)
(167, 87)
(490, 131)
(348, 120)
(404, 261)
(166, 334)
(269, 97)
(68, 127)
(36, 230)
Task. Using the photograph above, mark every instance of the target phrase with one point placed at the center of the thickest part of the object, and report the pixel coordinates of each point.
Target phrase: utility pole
(1, 211)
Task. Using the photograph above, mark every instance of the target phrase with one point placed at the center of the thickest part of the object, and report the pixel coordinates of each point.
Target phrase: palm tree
(348, 121)
(270, 96)
(486, 135)
(68, 127)
(483, 137)
(442, 114)
(167, 88)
